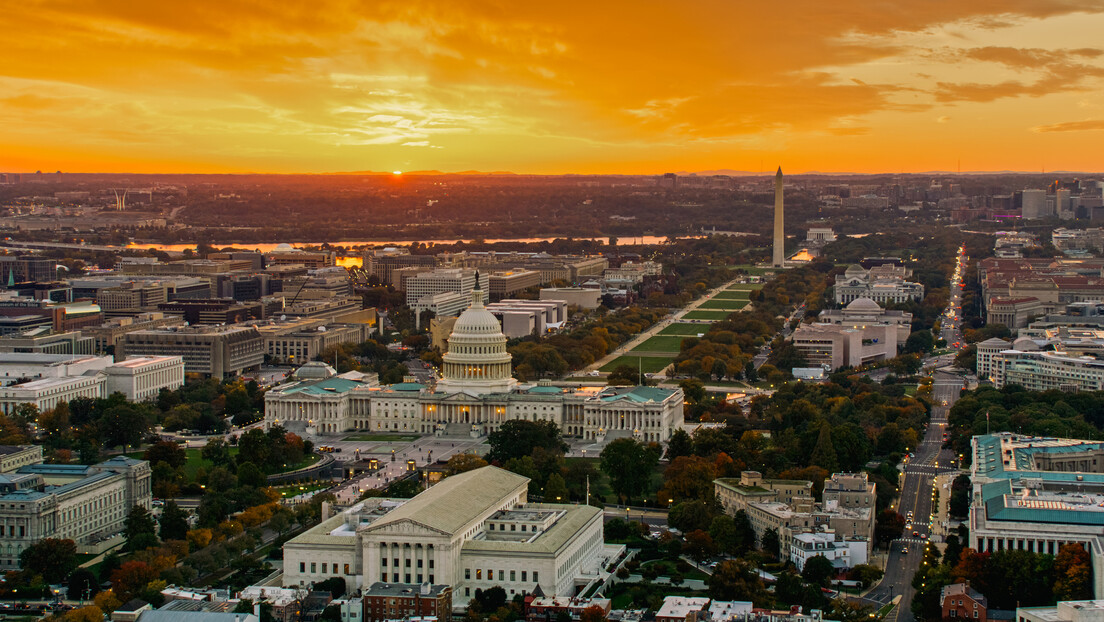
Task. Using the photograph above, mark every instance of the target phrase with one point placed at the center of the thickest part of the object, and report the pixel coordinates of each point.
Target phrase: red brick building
(959, 601)
(390, 601)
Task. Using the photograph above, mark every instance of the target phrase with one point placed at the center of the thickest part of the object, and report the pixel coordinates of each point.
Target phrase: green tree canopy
(629, 463)
(518, 438)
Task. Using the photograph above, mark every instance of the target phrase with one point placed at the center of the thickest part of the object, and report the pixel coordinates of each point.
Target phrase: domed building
(477, 362)
(476, 393)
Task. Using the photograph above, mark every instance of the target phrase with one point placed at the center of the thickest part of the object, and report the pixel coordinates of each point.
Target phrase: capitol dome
(477, 361)
(314, 370)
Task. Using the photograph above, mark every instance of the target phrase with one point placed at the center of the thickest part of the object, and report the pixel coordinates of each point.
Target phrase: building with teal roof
(476, 394)
(88, 504)
(1038, 494)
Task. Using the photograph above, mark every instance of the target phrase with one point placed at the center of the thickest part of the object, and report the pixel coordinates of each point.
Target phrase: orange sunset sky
(552, 87)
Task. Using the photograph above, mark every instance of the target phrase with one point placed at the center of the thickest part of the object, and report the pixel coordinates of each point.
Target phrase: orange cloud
(1072, 126)
(575, 86)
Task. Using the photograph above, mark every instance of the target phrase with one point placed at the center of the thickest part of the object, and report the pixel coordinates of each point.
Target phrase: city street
(918, 480)
(906, 554)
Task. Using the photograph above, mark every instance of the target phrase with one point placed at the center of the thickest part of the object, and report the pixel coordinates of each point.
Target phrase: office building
(1035, 205)
(507, 283)
(455, 280)
(134, 296)
(215, 311)
(108, 336)
(36, 269)
(1037, 494)
(175, 288)
(735, 495)
(383, 265)
(13, 457)
(46, 393)
(1073, 241)
(17, 324)
(142, 378)
(683, 608)
(521, 318)
(632, 272)
(490, 536)
(1044, 371)
(1064, 611)
(287, 255)
(86, 504)
(212, 351)
(187, 267)
(847, 512)
(17, 366)
(986, 350)
(548, 609)
(255, 259)
(297, 340)
(581, 297)
(46, 341)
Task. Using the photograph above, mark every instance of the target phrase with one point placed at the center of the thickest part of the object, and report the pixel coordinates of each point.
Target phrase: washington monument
(779, 259)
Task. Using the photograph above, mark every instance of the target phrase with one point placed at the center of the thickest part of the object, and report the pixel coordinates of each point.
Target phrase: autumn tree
(462, 463)
(108, 601)
(1073, 573)
(593, 613)
(688, 477)
(131, 578)
(737, 580)
(88, 613)
(699, 545)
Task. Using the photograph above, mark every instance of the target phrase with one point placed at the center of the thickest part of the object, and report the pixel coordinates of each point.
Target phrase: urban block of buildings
(46, 380)
(1016, 291)
(841, 527)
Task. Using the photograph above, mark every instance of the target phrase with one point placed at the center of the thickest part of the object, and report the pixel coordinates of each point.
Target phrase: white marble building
(476, 394)
(472, 531)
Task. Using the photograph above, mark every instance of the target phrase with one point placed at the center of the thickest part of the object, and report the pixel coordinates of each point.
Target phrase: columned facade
(477, 391)
(477, 360)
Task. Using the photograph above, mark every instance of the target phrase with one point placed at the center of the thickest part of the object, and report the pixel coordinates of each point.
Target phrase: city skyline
(611, 88)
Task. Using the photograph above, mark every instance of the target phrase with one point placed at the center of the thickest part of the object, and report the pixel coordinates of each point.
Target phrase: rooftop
(466, 496)
(405, 589)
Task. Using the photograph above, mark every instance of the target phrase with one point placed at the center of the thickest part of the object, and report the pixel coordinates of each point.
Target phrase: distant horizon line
(474, 173)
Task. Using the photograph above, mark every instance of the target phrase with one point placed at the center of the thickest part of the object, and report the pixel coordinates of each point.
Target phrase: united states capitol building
(475, 395)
